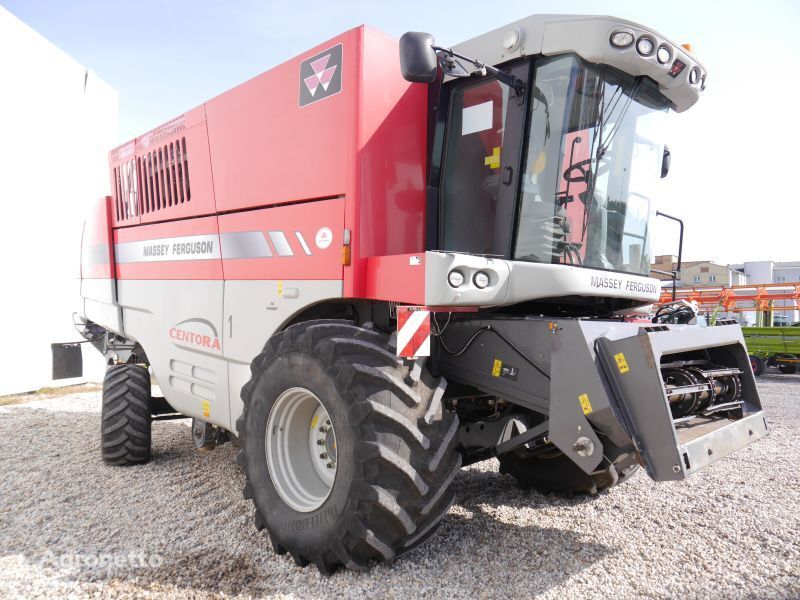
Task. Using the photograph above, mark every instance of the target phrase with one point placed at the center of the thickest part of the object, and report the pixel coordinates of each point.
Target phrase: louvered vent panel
(126, 190)
(165, 176)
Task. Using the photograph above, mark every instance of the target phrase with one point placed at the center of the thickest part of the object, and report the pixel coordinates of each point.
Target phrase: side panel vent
(165, 176)
(126, 190)
(152, 179)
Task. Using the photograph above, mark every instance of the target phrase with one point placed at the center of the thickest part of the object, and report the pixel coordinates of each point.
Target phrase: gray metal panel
(574, 374)
(716, 445)
(588, 37)
(255, 310)
(192, 375)
(640, 393)
(99, 304)
(475, 366)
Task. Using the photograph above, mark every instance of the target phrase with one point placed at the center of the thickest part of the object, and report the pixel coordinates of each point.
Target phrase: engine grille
(153, 181)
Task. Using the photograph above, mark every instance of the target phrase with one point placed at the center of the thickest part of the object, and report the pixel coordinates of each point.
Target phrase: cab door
(479, 181)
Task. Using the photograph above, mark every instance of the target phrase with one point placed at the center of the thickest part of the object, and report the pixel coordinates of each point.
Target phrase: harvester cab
(547, 144)
(454, 283)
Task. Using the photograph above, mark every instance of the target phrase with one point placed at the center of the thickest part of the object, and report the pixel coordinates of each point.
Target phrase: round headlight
(512, 39)
(480, 279)
(455, 278)
(694, 76)
(645, 46)
(664, 54)
(621, 39)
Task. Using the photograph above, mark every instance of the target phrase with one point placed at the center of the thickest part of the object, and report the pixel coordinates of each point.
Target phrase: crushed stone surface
(72, 527)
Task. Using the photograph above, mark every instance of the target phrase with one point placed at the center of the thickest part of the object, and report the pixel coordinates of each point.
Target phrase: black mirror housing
(418, 61)
(665, 162)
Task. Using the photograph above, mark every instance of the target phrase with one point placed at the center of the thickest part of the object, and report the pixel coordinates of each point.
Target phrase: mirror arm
(515, 83)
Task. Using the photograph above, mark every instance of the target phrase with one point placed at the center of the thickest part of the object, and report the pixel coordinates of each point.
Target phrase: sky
(732, 178)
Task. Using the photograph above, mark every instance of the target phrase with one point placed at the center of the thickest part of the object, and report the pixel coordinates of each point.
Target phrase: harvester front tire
(126, 421)
(394, 439)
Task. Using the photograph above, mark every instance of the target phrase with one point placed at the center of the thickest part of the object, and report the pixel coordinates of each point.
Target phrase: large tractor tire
(552, 472)
(348, 450)
(126, 415)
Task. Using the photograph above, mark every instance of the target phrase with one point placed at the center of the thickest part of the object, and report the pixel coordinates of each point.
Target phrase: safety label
(622, 364)
(586, 406)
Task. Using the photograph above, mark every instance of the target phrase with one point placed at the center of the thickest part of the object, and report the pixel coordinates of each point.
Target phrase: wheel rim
(300, 445)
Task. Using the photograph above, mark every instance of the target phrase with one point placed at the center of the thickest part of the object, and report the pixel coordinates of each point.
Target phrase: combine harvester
(379, 262)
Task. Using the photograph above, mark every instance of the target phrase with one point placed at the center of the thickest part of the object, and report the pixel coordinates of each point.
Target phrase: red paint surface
(394, 278)
(308, 219)
(255, 147)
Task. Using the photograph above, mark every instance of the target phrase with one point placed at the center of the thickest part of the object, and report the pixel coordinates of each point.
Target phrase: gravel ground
(72, 527)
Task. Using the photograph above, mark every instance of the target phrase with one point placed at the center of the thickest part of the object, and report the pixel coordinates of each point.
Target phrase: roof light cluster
(647, 46)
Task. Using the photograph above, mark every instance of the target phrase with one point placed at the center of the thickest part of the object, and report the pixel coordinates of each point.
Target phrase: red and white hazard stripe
(413, 331)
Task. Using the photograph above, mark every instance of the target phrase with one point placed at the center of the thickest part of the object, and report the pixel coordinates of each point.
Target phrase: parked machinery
(369, 267)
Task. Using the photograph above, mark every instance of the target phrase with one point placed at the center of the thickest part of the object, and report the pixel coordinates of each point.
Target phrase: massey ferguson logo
(321, 75)
(196, 334)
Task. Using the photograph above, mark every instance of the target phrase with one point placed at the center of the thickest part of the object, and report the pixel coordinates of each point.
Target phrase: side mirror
(665, 162)
(418, 61)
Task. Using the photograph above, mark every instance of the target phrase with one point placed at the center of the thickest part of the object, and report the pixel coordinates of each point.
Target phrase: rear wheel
(348, 450)
(126, 415)
(553, 472)
(757, 364)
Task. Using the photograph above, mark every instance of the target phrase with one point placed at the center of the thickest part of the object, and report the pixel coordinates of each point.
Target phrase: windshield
(592, 160)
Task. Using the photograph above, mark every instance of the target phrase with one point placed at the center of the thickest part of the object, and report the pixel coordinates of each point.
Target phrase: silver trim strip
(302, 241)
(280, 243)
(191, 247)
(244, 244)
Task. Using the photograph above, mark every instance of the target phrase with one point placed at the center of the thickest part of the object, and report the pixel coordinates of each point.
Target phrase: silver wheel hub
(300, 445)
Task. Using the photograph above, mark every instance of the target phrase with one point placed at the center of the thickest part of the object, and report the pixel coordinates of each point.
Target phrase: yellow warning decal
(314, 421)
(622, 364)
(585, 404)
(497, 367)
(493, 160)
(280, 287)
(206, 408)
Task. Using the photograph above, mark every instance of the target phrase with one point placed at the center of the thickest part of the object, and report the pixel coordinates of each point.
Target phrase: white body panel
(200, 336)
(511, 282)
(588, 37)
(179, 324)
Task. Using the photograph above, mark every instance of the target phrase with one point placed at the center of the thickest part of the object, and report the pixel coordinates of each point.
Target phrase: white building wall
(759, 271)
(57, 122)
(766, 271)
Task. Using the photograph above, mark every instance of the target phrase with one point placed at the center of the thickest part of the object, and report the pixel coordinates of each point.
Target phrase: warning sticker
(585, 404)
(622, 364)
(501, 369)
(206, 408)
(497, 367)
(493, 160)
